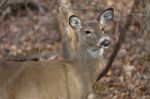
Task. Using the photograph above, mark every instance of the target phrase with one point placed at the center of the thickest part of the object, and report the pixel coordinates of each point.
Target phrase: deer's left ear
(106, 16)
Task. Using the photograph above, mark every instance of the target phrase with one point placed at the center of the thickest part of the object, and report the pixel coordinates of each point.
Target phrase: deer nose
(105, 43)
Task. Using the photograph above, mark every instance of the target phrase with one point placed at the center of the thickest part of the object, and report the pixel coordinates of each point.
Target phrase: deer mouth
(95, 49)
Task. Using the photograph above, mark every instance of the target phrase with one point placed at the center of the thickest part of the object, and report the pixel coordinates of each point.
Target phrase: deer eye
(88, 33)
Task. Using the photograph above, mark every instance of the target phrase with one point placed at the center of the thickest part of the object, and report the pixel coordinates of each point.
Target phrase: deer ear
(106, 16)
(75, 22)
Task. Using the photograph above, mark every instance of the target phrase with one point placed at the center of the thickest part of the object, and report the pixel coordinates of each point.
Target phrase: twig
(3, 4)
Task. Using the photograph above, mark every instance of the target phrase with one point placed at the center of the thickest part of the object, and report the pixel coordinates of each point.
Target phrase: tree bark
(68, 35)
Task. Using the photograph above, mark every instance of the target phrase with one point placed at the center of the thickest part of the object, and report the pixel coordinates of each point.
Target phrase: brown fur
(44, 80)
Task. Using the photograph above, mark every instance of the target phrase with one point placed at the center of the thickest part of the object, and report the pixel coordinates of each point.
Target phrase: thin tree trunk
(68, 35)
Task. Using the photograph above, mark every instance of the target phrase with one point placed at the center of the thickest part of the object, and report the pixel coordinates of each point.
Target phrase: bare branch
(3, 4)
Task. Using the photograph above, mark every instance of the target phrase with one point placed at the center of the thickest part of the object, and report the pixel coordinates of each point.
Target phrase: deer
(61, 79)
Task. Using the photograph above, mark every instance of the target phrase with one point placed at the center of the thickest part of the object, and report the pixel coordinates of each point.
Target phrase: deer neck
(89, 64)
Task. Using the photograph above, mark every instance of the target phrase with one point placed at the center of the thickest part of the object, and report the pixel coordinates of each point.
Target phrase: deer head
(91, 35)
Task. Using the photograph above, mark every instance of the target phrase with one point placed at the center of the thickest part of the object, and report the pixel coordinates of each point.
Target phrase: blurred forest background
(35, 29)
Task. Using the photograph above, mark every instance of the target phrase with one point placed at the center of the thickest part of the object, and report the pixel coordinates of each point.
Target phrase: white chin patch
(101, 51)
(96, 53)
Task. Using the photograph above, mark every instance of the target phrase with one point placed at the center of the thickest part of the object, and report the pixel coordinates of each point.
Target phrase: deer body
(69, 80)
(66, 79)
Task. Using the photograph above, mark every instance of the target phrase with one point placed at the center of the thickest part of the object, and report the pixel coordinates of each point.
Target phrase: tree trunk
(68, 35)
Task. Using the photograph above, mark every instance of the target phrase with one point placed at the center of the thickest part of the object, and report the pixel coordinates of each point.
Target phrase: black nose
(105, 43)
